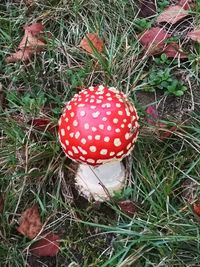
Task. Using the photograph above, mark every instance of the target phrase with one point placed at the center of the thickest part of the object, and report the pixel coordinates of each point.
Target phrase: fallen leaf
(43, 124)
(32, 42)
(186, 4)
(194, 35)
(153, 117)
(48, 245)
(173, 50)
(92, 39)
(165, 131)
(154, 40)
(147, 8)
(128, 207)
(196, 209)
(30, 223)
(172, 14)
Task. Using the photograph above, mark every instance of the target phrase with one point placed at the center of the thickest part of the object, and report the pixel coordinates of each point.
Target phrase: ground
(163, 173)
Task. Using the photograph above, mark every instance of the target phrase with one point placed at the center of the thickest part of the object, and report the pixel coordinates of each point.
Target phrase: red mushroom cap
(98, 125)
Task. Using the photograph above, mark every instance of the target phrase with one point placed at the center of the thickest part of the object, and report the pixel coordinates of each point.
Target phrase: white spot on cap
(120, 153)
(82, 158)
(129, 125)
(97, 137)
(90, 137)
(108, 94)
(133, 118)
(71, 134)
(117, 130)
(117, 142)
(101, 87)
(106, 105)
(112, 154)
(101, 126)
(122, 125)
(90, 160)
(115, 120)
(94, 129)
(103, 151)
(118, 105)
(93, 148)
(104, 119)
(109, 128)
(69, 107)
(81, 105)
(92, 107)
(62, 131)
(66, 142)
(82, 150)
(91, 88)
(124, 120)
(66, 119)
(68, 127)
(106, 139)
(109, 99)
(120, 112)
(83, 141)
(128, 146)
(127, 136)
(59, 122)
(63, 146)
(99, 101)
(108, 112)
(86, 126)
(95, 114)
(101, 97)
(92, 101)
(69, 153)
(77, 134)
(75, 150)
(82, 113)
(75, 123)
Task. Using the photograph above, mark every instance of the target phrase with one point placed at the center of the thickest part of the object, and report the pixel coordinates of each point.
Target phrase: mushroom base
(100, 182)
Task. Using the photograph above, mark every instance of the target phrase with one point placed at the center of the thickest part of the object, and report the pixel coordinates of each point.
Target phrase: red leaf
(20, 55)
(147, 8)
(173, 50)
(194, 35)
(166, 131)
(153, 115)
(128, 207)
(172, 14)
(186, 4)
(43, 124)
(34, 28)
(30, 224)
(154, 40)
(48, 245)
(95, 40)
(196, 209)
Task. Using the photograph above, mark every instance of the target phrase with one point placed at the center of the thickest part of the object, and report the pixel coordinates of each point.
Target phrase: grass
(165, 230)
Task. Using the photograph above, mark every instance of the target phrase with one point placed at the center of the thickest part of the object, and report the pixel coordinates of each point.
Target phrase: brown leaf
(128, 207)
(154, 40)
(30, 223)
(147, 8)
(194, 35)
(172, 14)
(196, 209)
(43, 124)
(173, 50)
(95, 40)
(48, 245)
(166, 131)
(186, 4)
(32, 42)
(153, 116)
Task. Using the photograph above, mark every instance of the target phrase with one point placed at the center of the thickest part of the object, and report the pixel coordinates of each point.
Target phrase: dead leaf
(186, 4)
(147, 8)
(30, 223)
(154, 40)
(194, 35)
(196, 209)
(173, 50)
(166, 131)
(48, 245)
(128, 207)
(95, 41)
(172, 14)
(43, 124)
(153, 116)
(32, 42)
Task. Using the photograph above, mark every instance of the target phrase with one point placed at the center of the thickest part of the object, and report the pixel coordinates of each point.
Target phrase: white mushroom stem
(100, 182)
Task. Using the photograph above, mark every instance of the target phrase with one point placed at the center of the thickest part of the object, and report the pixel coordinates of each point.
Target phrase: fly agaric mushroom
(98, 128)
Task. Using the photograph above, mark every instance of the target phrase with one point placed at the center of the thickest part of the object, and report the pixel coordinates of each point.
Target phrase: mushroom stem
(100, 182)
